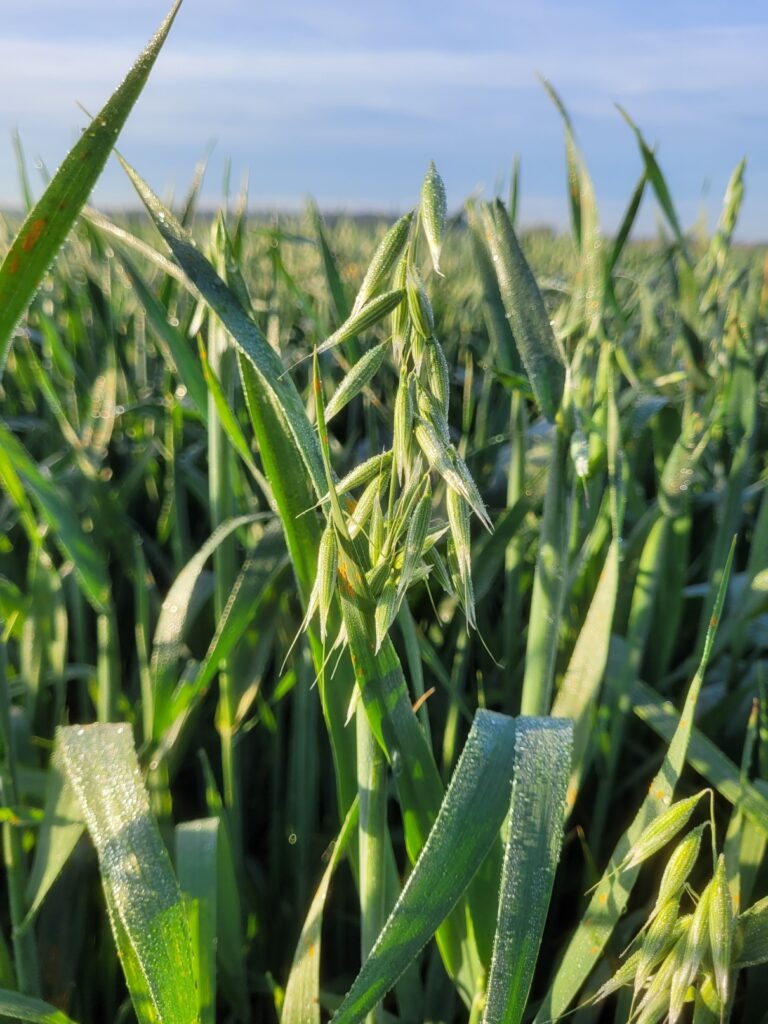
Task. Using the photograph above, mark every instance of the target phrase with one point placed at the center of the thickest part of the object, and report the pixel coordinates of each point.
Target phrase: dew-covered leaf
(541, 770)
(145, 904)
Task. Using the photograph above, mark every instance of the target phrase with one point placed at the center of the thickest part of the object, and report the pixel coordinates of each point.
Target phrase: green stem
(372, 839)
(107, 666)
(513, 557)
(224, 571)
(548, 584)
(25, 952)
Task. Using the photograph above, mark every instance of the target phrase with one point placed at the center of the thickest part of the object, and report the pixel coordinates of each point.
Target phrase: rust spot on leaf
(13, 266)
(32, 236)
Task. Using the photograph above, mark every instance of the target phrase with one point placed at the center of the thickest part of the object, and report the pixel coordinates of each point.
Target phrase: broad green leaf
(49, 222)
(15, 1006)
(467, 825)
(197, 870)
(301, 1004)
(146, 908)
(526, 311)
(254, 346)
(573, 165)
(541, 770)
(549, 582)
(499, 331)
(626, 224)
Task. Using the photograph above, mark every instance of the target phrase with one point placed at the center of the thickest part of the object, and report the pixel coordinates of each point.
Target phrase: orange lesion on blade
(32, 236)
(13, 266)
(345, 579)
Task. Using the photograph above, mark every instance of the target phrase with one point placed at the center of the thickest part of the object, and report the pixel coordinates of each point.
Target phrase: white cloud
(263, 102)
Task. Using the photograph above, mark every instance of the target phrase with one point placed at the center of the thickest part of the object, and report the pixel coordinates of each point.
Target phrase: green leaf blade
(542, 767)
(146, 907)
(467, 824)
(49, 222)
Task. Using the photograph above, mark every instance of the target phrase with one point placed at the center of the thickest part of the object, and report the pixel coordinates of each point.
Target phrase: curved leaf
(48, 224)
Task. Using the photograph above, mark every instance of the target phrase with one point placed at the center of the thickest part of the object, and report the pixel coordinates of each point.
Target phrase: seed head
(657, 942)
(438, 374)
(624, 976)
(661, 830)
(361, 374)
(721, 929)
(419, 306)
(415, 538)
(403, 425)
(696, 945)
(327, 569)
(458, 521)
(679, 866)
(657, 994)
(383, 261)
(433, 211)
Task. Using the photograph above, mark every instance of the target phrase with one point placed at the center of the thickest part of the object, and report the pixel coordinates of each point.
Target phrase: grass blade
(49, 222)
(15, 1006)
(612, 893)
(467, 825)
(302, 993)
(541, 770)
(145, 905)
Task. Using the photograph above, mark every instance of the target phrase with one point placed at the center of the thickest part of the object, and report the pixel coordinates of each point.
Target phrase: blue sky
(350, 100)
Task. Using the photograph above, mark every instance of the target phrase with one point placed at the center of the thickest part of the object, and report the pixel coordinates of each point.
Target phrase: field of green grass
(383, 610)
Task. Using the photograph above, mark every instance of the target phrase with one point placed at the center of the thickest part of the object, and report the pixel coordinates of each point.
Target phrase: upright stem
(24, 949)
(107, 666)
(548, 584)
(514, 554)
(372, 839)
(221, 508)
